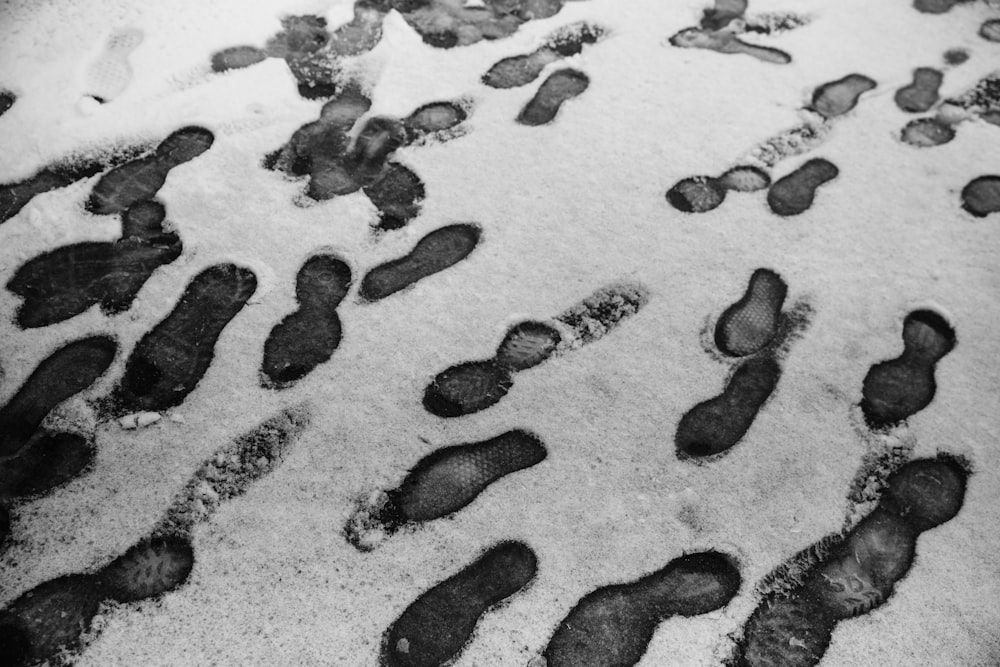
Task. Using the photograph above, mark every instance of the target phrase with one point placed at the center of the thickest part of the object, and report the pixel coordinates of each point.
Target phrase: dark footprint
(67, 281)
(232, 469)
(237, 57)
(723, 41)
(443, 483)
(898, 388)
(7, 100)
(141, 179)
(170, 360)
(307, 337)
(859, 573)
(990, 30)
(562, 85)
(397, 196)
(722, 14)
(521, 70)
(936, 6)
(44, 464)
(715, 425)
(476, 385)
(699, 194)
(956, 56)
(838, 97)
(927, 132)
(435, 252)
(922, 94)
(14, 196)
(67, 371)
(150, 568)
(613, 625)
(436, 627)
(4, 532)
(794, 193)
(982, 196)
(747, 326)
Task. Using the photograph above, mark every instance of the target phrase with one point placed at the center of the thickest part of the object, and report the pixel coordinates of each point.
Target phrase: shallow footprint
(307, 337)
(723, 41)
(436, 627)
(614, 625)
(751, 323)
(170, 360)
(838, 97)
(794, 194)
(562, 85)
(981, 196)
(715, 425)
(437, 251)
(896, 389)
(110, 73)
(64, 373)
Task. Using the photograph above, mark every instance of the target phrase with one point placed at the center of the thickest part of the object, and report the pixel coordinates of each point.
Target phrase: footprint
(750, 324)
(981, 196)
(699, 194)
(956, 56)
(446, 24)
(67, 281)
(15, 196)
(614, 624)
(170, 360)
(435, 252)
(561, 86)
(64, 373)
(898, 388)
(109, 74)
(723, 41)
(435, 628)
(237, 57)
(53, 617)
(443, 483)
(476, 385)
(922, 93)
(4, 533)
(859, 573)
(299, 37)
(990, 30)
(396, 196)
(44, 463)
(722, 14)
(936, 6)
(838, 97)
(307, 337)
(927, 132)
(141, 179)
(7, 100)
(981, 101)
(521, 70)
(794, 194)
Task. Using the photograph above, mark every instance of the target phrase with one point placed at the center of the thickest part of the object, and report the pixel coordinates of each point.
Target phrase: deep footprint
(437, 251)
(838, 97)
(66, 372)
(860, 573)
(435, 628)
(794, 193)
(561, 86)
(922, 93)
(44, 464)
(141, 179)
(521, 70)
(747, 326)
(896, 389)
(981, 196)
(714, 426)
(307, 337)
(171, 359)
(67, 281)
(614, 625)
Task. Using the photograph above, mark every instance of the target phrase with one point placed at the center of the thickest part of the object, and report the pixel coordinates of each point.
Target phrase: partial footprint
(936, 6)
(7, 100)
(699, 194)
(170, 360)
(64, 373)
(67, 281)
(435, 628)
(561, 86)
(307, 337)
(521, 70)
(859, 572)
(723, 13)
(476, 385)
(981, 196)
(443, 483)
(794, 193)
(898, 388)
(614, 624)
(109, 74)
(396, 195)
(981, 101)
(438, 250)
(237, 57)
(14, 196)
(922, 93)
(44, 463)
(141, 179)
(838, 97)
(723, 41)
(990, 30)
(750, 324)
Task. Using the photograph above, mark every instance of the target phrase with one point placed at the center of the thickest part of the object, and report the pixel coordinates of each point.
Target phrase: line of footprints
(844, 575)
